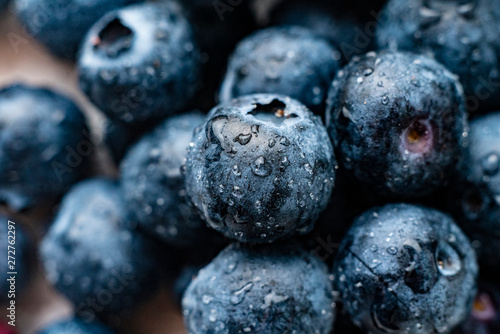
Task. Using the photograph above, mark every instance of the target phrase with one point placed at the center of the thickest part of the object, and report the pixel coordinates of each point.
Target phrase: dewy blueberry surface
(273, 289)
(61, 25)
(462, 35)
(92, 249)
(154, 185)
(398, 123)
(475, 200)
(260, 168)
(44, 143)
(406, 269)
(140, 63)
(288, 60)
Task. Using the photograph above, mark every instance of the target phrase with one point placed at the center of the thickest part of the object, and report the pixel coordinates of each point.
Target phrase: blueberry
(341, 27)
(406, 269)
(93, 255)
(140, 63)
(260, 168)
(61, 25)
(485, 316)
(43, 145)
(16, 243)
(476, 199)
(154, 186)
(462, 35)
(271, 289)
(76, 326)
(397, 122)
(292, 61)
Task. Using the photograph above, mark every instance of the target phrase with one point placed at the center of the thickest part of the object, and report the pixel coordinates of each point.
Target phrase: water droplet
(447, 259)
(380, 84)
(236, 170)
(367, 72)
(255, 129)
(243, 139)
(385, 99)
(237, 192)
(359, 80)
(392, 250)
(374, 248)
(212, 317)
(490, 164)
(284, 141)
(308, 168)
(261, 167)
(271, 143)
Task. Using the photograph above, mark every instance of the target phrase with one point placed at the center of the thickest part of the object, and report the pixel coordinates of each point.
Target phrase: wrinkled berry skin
(260, 168)
(271, 289)
(74, 326)
(22, 252)
(153, 184)
(476, 199)
(292, 61)
(406, 269)
(140, 63)
(397, 122)
(61, 25)
(485, 316)
(44, 143)
(93, 250)
(338, 25)
(462, 35)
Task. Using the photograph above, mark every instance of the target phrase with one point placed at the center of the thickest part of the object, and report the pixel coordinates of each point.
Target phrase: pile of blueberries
(345, 180)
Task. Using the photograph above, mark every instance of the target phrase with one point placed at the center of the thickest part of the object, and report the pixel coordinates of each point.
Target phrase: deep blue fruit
(61, 25)
(342, 28)
(406, 269)
(476, 200)
(261, 168)
(271, 289)
(485, 315)
(44, 143)
(14, 242)
(140, 63)
(462, 35)
(76, 326)
(398, 123)
(93, 255)
(153, 184)
(292, 61)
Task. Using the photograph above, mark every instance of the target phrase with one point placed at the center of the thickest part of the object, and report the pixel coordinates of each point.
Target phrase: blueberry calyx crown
(114, 39)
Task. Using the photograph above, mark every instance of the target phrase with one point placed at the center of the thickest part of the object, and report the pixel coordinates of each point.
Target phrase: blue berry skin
(292, 61)
(21, 249)
(61, 25)
(397, 121)
(76, 326)
(338, 25)
(476, 199)
(261, 168)
(485, 315)
(93, 255)
(406, 269)
(153, 184)
(270, 289)
(462, 35)
(140, 63)
(44, 142)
